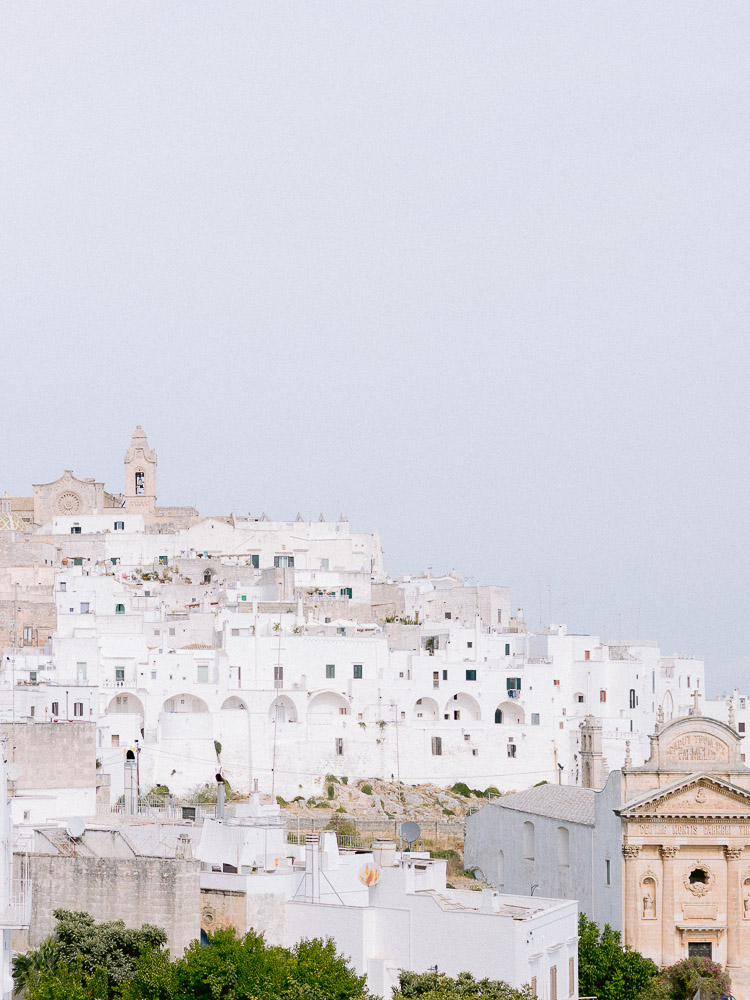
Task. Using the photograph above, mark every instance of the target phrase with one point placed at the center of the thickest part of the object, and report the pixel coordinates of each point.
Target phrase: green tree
(80, 942)
(608, 970)
(439, 986)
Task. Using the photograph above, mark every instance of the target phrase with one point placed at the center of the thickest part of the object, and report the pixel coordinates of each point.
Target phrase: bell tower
(140, 476)
(592, 762)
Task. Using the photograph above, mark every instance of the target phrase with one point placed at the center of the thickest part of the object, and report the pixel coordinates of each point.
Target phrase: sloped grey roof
(567, 802)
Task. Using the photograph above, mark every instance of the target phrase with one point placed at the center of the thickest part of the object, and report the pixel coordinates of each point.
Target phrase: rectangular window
(457, 714)
(78, 561)
(535, 718)
(533, 985)
(499, 618)
(115, 739)
(469, 645)
(556, 683)
(120, 674)
(78, 708)
(76, 529)
(741, 727)
(119, 525)
(278, 677)
(33, 711)
(343, 711)
(357, 671)
(587, 654)
(171, 631)
(163, 561)
(445, 675)
(55, 708)
(507, 649)
(346, 592)
(201, 674)
(330, 671)
(153, 675)
(255, 560)
(513, 683)
(81, 672)
(437, 746)
(339, 747)
(471, 675)
(324, 565)
(448, 615)
(571, 977)
(602, 696)
(63, 585)
(28, 635)
(281, 562)
(553, 982)
(84, 607)
(511, 749)
(607, 872)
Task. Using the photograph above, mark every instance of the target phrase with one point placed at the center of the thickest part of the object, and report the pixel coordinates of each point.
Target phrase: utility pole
(138, 772)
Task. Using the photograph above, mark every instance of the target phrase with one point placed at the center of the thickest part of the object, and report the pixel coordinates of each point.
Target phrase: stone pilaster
(630, 854)
(734, 907)
(668, 855)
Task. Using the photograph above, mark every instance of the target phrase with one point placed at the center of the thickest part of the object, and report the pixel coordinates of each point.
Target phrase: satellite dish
(76, 827)
(14, 772)
(410, 831)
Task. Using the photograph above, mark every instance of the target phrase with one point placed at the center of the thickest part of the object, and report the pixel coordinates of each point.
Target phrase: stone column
(734, 907)
(668, 854)
(632, 911)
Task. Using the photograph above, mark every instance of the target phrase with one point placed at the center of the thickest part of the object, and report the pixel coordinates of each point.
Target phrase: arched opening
(563, 846)
(500, 868)
(579, 698)
(463, 708)
(125, 704)
(119, 609)
(208, 576)
(528, 841)
(508, 713)
(282, 709)
(427, 710)
(184, 703)
(328, 703)
(233, 704)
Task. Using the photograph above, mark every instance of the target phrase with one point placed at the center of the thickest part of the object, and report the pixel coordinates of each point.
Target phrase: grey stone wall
(61, 755)
(165, 892)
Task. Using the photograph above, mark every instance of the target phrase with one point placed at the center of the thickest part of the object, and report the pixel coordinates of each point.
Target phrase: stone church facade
(686, 847)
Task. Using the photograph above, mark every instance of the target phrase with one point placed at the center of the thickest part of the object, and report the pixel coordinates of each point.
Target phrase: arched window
(632, 697)
(207, 576)
(119, 609)
(498, 716)
(500, 868)
(563, 846)
(528, 841)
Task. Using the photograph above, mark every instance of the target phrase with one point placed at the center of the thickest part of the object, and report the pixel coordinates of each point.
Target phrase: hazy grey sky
(475, 273)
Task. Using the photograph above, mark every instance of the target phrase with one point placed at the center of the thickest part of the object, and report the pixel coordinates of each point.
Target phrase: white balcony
(16, 911)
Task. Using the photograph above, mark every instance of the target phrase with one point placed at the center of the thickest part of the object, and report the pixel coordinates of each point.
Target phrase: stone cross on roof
(696, 708)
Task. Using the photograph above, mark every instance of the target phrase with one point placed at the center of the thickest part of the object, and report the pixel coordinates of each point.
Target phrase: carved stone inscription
(697, 747)
(698, 829)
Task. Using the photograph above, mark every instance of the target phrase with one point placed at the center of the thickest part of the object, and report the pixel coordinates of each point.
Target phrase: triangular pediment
(695, 795)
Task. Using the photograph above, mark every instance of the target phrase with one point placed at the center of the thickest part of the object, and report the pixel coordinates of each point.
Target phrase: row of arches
(461, 707)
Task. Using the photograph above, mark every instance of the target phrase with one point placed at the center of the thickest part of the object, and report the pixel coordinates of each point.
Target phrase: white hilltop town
(148, 646)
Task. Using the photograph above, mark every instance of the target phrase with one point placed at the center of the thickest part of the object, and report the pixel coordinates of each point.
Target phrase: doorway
(699, 949)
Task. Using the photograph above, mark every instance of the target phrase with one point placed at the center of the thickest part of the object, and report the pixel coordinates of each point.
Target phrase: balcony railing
(17, 910)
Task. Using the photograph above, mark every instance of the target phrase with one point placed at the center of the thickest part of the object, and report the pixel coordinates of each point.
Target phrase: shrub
(331, 791)
(461, 788)
(281, 802)
(367, 789)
